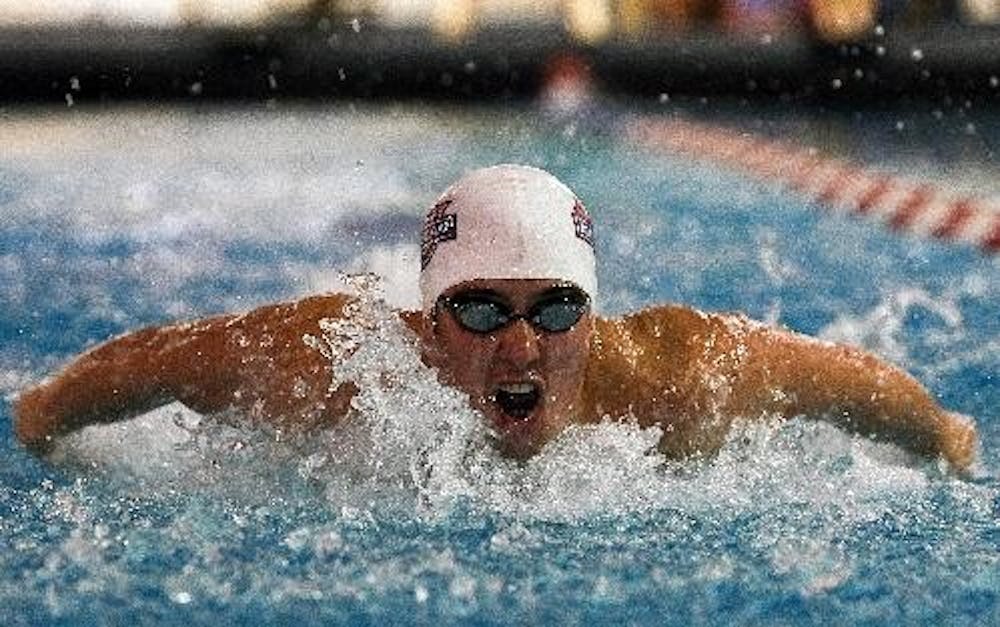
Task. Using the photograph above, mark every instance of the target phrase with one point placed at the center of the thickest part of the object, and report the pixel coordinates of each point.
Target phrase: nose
(518, 345)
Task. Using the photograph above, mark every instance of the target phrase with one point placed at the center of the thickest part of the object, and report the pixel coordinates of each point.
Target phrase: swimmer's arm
(257, 363)
(790, 374)
(120, 379)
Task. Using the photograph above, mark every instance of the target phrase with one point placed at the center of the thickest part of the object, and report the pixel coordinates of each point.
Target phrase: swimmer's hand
(34, 426)
(117, 380)
(68, 402)
(958, 441)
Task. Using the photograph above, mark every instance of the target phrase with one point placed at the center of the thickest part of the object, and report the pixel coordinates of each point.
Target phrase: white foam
(13, 380)
(397, 267)
(881, 329)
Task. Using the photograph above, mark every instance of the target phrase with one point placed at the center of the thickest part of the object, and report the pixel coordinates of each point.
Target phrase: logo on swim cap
(439, 227)
(582, 222)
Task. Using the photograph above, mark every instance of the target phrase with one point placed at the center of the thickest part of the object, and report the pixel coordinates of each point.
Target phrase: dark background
(784, 50)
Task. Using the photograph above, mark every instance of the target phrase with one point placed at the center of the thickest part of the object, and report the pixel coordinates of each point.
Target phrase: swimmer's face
(525, 374)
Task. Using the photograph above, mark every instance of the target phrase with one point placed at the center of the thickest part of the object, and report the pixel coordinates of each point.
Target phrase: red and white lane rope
(905, 205)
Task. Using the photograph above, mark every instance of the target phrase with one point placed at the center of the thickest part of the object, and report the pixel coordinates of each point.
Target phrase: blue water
(121, 218)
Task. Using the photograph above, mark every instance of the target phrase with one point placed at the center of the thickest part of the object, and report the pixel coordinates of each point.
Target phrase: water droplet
(69, 99)
(665, 98)
(900, 125)
(836, 83)
(272, 82)
(470, 67)
(182, 598)
(970, 129)
(74, 83)
(879, 30)
(196, 88)
(917, 54)
(994, 81)
(342, 74)
(859, 73)
(880, 50)
(356, 25)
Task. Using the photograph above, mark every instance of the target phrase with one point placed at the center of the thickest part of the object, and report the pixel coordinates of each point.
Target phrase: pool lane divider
(920, 208)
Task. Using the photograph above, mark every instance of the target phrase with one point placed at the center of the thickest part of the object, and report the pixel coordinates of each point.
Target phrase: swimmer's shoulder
(279, 325)
(669, 338)
(306, 311)
(650, 364)
(303, 315)
(665, 324)
(647, 343)
(653, 363)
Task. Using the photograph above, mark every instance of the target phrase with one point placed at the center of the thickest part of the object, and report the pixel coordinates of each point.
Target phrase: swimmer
(508, 283)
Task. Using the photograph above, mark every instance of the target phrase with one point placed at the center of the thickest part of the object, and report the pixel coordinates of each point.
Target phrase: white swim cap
(506, 222)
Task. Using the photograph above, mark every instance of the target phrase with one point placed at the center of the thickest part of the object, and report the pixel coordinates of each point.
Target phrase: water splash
(414, 446)
(881, 329)
(924, 331)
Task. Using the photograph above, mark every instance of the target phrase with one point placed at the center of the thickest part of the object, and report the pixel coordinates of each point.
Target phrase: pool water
(114, 219)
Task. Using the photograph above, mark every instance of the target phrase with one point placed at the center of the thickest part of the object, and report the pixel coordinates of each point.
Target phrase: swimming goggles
(483, 311)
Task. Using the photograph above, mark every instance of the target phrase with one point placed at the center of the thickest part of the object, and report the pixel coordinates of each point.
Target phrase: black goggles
(485, 312)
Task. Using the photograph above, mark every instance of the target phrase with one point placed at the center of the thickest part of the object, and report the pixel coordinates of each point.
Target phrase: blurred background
(53, 50)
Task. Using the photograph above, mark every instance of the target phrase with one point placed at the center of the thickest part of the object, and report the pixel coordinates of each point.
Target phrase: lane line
(919, 208)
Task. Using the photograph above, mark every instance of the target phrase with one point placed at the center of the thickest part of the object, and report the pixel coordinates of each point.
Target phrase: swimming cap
(506, 222)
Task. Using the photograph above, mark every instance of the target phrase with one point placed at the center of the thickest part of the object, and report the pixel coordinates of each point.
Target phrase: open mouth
(518, 400)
